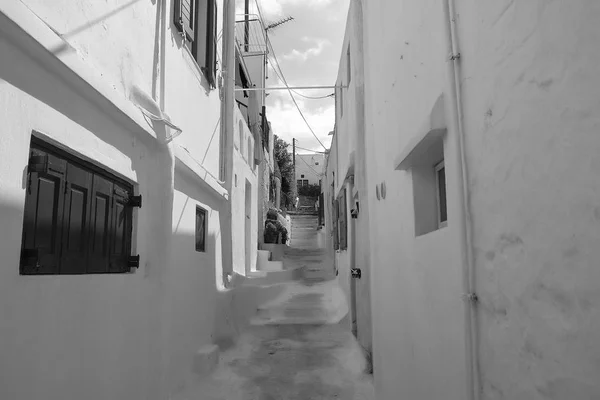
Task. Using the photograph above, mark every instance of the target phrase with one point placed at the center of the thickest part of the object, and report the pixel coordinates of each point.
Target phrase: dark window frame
(343, 220)
(441, 194)
(90, 228)
(201, 241)
(186, 21)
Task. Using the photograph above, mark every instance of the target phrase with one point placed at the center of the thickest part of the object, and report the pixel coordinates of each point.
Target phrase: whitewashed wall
(126, 335)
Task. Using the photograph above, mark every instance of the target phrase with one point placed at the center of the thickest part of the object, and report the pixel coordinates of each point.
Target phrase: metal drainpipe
(228, 100)
(465, 220)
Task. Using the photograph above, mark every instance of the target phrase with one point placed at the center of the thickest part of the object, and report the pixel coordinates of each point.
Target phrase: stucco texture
(112, 336)
(417, 310)
(532, 144)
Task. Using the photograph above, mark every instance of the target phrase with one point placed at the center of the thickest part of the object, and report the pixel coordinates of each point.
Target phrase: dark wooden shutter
(120, 236)
(211, 42)
(184, 17)
(44, 199)
(343, 221)
(100, 225)
(336, 242)
(76, 216)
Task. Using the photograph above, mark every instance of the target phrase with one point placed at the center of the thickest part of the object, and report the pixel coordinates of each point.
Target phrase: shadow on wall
(27, 67)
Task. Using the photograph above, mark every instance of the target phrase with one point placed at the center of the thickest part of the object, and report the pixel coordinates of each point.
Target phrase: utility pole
(246, 25)
(294, 155)
(294, 182)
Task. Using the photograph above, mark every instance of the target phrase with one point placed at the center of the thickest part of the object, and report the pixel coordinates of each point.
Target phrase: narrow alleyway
(295, 349)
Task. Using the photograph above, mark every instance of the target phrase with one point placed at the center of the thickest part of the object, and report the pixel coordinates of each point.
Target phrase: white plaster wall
(351, 130)
(243, 171)
(125, 43)
(532, 123)
(306, 164)
(418, 322)
(58, 332)
(108, 336)
(192, 288)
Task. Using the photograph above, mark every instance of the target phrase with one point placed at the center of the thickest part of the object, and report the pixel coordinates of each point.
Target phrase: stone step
(272, 266)
(258, 278)
(263, 257)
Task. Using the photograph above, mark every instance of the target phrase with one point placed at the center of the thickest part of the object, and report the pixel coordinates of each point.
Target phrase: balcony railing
(250, 34)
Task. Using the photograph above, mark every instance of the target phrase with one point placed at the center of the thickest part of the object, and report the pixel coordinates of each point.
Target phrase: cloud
(287, 123)
(274, 8)
(317, 49)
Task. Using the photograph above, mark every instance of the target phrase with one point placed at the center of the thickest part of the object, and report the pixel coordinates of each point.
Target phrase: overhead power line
(312, 151)
(313, 97)
(308, 165)
(282, 77)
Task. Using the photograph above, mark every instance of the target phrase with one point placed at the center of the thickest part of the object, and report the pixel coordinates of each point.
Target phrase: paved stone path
(294, 351)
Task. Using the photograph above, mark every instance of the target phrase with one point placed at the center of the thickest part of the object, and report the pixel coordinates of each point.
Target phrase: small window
(316, 163)
(302, 176)
(200, 229)
(299, 182)
(197, 22)
(440, 184)
(78, 217)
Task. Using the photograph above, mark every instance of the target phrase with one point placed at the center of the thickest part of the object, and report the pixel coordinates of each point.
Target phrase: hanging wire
(282, 77)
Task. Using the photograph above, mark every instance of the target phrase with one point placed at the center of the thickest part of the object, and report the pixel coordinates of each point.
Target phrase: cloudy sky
(308, 50)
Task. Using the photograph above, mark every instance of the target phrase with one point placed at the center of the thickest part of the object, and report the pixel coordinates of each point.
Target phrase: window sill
(189, 164)
(196, 69)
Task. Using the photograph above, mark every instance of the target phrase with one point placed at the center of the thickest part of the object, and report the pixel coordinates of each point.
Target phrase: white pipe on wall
(465, 219)
(228, 96)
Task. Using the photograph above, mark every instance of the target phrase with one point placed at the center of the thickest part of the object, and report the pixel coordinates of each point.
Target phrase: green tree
(312, 190)
(286, 167)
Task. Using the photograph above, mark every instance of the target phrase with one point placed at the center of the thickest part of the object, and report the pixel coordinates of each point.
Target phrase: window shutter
(343, 222)
(75, 220)
(336, 243)
(42, 223)
(211, 43)
(120, 237)
(184, 17)
(100, 225)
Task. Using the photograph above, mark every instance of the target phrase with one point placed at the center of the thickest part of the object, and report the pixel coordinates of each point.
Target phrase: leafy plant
(286, 168)
(313, 190)
(273, 228)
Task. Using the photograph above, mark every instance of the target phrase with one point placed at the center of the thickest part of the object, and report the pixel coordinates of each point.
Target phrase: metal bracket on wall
(133, 261)
(471, 297)
(135, 201)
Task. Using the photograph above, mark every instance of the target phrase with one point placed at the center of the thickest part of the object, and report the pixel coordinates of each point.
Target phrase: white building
(309, 169)
(128, 195)
(467, 144)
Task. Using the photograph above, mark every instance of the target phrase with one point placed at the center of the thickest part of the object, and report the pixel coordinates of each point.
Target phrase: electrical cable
(312, 97)
(292, 96)
(308, 165)
(282, 77)
(312, 151)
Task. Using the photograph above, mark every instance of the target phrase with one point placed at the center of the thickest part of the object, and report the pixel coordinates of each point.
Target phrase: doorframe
(248, 226)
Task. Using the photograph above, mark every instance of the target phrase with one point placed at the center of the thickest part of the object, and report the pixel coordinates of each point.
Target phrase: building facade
(479, 142)
(309, 169)
(127, 200)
